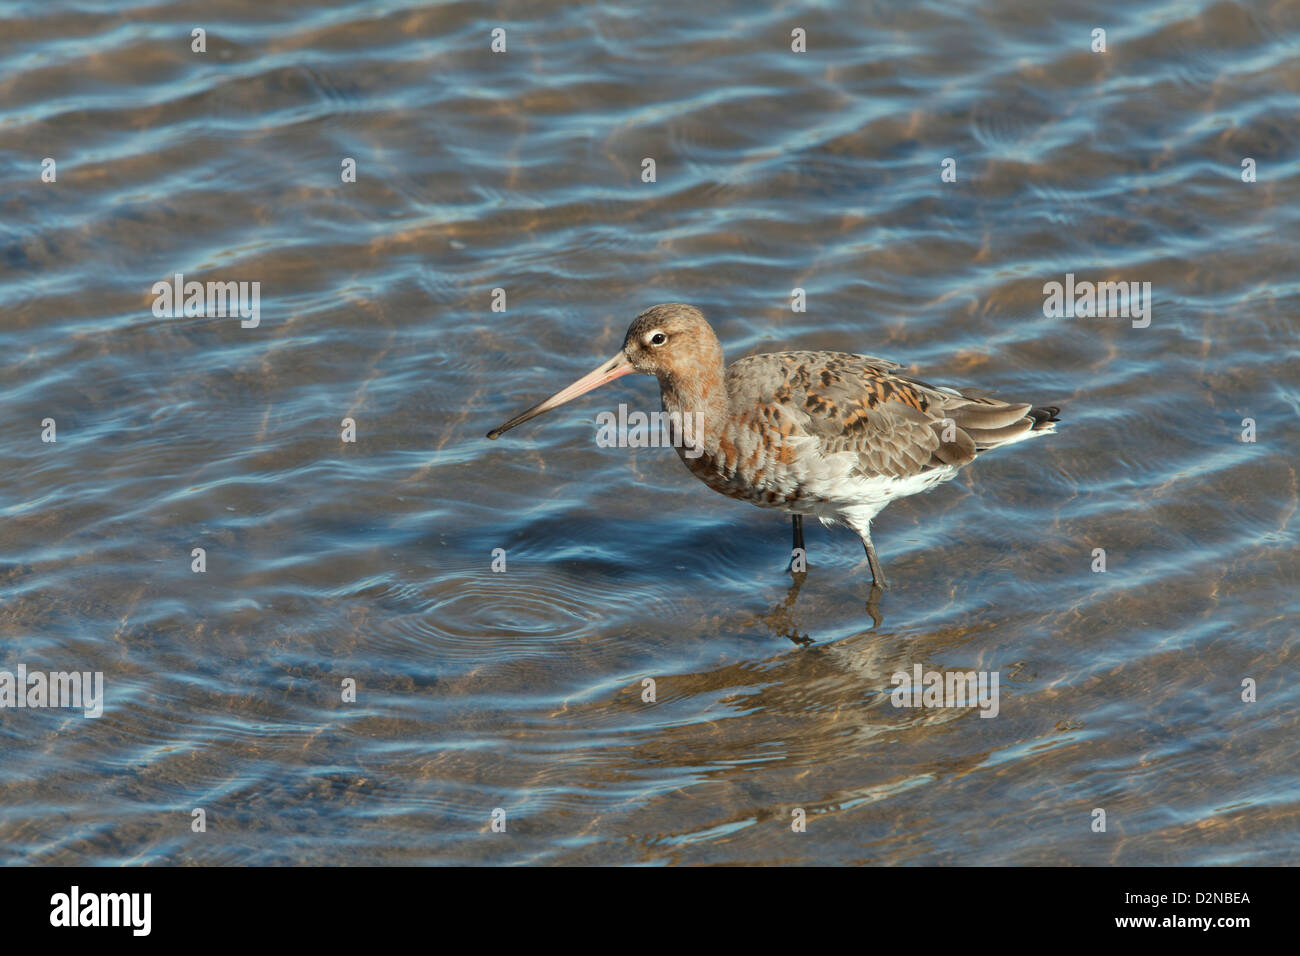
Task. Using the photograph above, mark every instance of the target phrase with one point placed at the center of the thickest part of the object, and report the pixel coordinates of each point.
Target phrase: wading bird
(828, 434)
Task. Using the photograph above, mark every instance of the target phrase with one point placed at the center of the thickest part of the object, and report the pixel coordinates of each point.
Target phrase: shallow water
(522, 690)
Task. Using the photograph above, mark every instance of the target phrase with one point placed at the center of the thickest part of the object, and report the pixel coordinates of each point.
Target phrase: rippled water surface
(371, 560)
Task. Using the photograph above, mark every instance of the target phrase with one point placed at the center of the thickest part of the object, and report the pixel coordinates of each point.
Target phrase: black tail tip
(1044, 415)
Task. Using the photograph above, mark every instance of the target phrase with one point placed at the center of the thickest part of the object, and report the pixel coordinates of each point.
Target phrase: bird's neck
(701, 401)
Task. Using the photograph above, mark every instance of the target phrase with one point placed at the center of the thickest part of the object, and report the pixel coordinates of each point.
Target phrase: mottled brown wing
(899, 426)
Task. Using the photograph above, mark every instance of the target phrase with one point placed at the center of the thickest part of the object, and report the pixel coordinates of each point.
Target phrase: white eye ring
(656, 339)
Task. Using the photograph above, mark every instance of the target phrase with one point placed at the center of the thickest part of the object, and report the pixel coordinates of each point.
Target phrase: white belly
(855, 501)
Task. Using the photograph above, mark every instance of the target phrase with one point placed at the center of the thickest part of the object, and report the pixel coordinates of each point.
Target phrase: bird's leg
(877, 572)
(798, 553)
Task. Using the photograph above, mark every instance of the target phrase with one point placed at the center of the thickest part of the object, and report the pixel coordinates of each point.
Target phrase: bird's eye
(658, 339)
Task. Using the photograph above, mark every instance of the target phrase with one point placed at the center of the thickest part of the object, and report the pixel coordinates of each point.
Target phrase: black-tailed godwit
(829, 434)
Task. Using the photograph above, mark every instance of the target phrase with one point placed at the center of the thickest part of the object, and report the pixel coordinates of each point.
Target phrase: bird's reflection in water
(780, 619)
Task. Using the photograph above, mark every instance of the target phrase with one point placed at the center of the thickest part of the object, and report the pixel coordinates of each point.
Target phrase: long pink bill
(616, 367)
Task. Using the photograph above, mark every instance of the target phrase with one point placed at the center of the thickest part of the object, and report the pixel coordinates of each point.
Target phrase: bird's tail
(984, 423)
(1044, 417)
